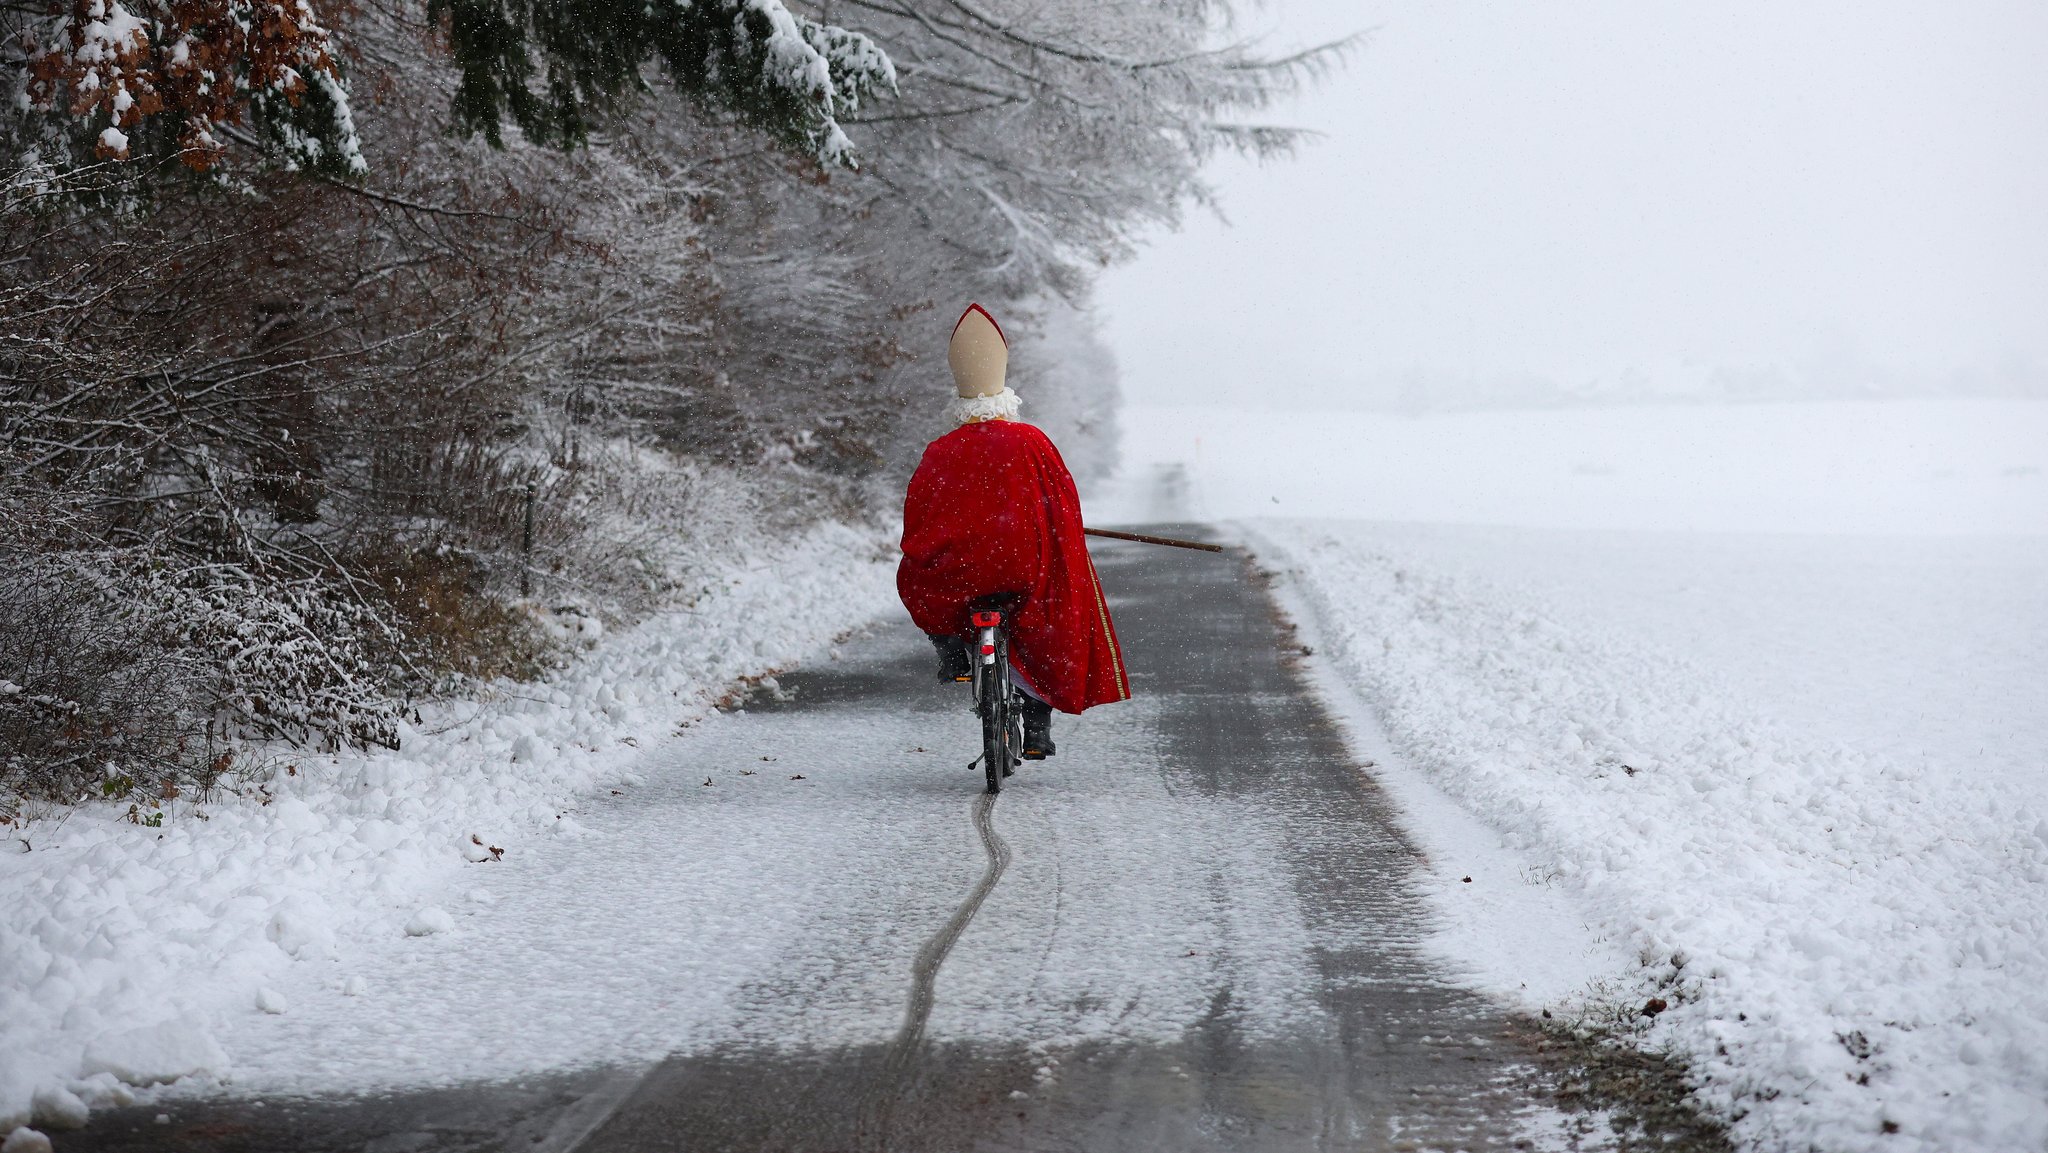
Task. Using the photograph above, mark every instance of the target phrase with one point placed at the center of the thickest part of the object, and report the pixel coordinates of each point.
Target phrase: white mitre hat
(979, 354)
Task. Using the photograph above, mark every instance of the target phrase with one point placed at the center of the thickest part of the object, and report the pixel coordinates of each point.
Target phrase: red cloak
(992, 509)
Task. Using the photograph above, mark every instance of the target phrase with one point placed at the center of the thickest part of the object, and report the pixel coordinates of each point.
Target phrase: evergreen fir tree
(780, 71)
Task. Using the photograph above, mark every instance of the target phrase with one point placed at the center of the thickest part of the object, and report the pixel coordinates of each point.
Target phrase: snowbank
(123, 945)
(1849, 920)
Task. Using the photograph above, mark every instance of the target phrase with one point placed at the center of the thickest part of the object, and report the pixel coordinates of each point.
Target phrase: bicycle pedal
(1033, 755)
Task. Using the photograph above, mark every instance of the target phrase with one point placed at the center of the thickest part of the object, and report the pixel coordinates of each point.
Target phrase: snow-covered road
(1209, 935)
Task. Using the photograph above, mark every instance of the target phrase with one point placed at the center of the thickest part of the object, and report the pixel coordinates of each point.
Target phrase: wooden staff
(1141, 538)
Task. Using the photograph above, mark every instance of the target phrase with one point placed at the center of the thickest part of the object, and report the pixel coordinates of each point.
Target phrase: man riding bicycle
(992, 517)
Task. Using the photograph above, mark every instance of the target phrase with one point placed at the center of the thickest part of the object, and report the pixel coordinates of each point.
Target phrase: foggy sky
(1598, 196)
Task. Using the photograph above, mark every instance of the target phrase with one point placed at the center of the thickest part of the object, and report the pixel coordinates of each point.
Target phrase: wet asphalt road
(1387, 1051)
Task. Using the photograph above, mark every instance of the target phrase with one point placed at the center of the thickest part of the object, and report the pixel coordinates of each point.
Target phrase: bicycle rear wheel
(998, 718)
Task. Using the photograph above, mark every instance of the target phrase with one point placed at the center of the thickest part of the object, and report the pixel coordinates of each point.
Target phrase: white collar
(1001, 406)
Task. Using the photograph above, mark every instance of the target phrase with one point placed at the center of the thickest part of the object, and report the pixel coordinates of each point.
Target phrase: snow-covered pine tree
(779, 71)
(99, 82)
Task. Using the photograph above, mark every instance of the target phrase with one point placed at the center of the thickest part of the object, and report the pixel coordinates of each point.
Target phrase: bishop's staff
(1141, 538)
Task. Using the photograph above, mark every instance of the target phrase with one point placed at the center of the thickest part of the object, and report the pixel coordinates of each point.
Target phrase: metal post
(526, 543)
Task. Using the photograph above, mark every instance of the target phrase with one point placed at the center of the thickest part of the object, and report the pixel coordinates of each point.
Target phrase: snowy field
(1903, 467)
(133, 955)
(1794, 765)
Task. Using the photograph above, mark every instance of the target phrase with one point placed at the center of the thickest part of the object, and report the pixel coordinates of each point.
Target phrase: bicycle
(997, 701)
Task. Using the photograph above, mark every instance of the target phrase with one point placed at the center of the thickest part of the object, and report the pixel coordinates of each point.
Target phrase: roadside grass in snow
(1602, 1066)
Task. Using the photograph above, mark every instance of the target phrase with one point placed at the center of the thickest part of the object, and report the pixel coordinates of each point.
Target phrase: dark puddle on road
(476, 1118)
(1203, 1094)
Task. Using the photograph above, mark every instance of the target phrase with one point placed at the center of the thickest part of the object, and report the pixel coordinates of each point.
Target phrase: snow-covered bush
(303, 661)
(92, 679)
(122, 658)
(132, 656)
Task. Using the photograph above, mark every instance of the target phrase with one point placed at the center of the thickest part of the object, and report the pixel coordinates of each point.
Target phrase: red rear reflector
(987, 620)
(988, 650)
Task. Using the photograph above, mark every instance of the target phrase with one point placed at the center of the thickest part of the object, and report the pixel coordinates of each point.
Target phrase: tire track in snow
(924, 974)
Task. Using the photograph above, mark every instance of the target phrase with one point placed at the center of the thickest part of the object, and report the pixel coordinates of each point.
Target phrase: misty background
(1539, 204)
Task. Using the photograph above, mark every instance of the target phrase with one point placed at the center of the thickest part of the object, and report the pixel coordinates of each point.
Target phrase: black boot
(954, 663)
(1037, 730)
